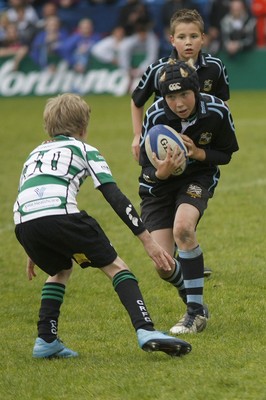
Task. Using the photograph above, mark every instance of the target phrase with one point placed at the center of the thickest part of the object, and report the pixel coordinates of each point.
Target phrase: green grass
(228, 359)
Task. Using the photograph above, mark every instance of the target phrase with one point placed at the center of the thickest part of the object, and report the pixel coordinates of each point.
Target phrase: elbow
(227, 159)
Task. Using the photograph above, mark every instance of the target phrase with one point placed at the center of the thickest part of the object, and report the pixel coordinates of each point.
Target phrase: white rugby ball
(157, 140)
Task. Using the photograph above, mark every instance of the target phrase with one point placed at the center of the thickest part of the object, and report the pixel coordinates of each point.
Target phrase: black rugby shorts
(159, 212)
(53, 242)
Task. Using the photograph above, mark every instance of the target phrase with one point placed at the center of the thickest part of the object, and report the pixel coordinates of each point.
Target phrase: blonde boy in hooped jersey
(54, 232)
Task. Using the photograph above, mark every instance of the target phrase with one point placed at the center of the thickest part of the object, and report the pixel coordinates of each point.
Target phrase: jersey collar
(201, 61)
(61, 136)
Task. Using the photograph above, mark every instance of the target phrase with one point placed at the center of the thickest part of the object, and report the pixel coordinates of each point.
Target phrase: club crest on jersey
(147, 178)
(205, 138)
(207, 87)
(194, 191)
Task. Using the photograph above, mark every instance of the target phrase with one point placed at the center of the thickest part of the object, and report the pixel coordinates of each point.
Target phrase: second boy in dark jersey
(187, 37)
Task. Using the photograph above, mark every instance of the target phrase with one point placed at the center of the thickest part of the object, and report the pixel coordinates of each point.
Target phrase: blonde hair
(67, 114)
(186, 16)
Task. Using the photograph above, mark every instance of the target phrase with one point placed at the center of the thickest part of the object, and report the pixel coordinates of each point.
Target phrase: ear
(171, 38)
(83, 135)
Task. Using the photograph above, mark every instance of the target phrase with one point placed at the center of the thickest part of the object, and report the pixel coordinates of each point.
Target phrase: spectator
(238, 28)
(143, 43)
(10, 44)
(132, 14)
(25, 17)
(107, 49)
(46, 49)
(125, 51)
(77, 47)
(47, 10)
(69, 11)
(218, 9)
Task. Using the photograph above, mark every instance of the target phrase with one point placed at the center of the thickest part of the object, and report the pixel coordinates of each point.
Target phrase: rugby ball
(157, 140)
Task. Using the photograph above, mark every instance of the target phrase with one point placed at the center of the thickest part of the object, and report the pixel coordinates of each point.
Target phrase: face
(85, 27)
(188, 40)
(183, 104)
(119, 33)
(52, 24)
(237, 8)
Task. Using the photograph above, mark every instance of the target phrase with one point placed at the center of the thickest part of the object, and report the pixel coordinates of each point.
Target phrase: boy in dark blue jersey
(172, 206)
(187, 38)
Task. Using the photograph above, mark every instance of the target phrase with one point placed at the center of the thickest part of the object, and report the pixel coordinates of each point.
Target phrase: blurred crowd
(117, 31)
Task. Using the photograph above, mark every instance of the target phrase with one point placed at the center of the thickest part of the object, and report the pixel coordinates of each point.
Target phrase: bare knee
(184, 234)
(117, 265)
(61, 277)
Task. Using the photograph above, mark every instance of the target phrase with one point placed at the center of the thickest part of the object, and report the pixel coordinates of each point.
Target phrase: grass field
(228, 359)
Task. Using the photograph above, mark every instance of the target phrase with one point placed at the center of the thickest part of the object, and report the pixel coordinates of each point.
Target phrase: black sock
(52, 298)
(126, 286)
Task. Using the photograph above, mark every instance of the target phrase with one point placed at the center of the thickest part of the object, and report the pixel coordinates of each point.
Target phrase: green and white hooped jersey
(52, 175)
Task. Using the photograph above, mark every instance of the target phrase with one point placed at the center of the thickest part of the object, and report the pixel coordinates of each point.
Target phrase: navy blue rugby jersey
(211, 128)
(212, 73)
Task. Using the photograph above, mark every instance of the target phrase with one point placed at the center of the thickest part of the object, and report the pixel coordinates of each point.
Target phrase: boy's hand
(192, 150)
(30, 269)
(173, 160)
(160, 257)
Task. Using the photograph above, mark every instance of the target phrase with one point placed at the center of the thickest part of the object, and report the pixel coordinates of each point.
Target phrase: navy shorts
(53, 242)
(159, 212)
